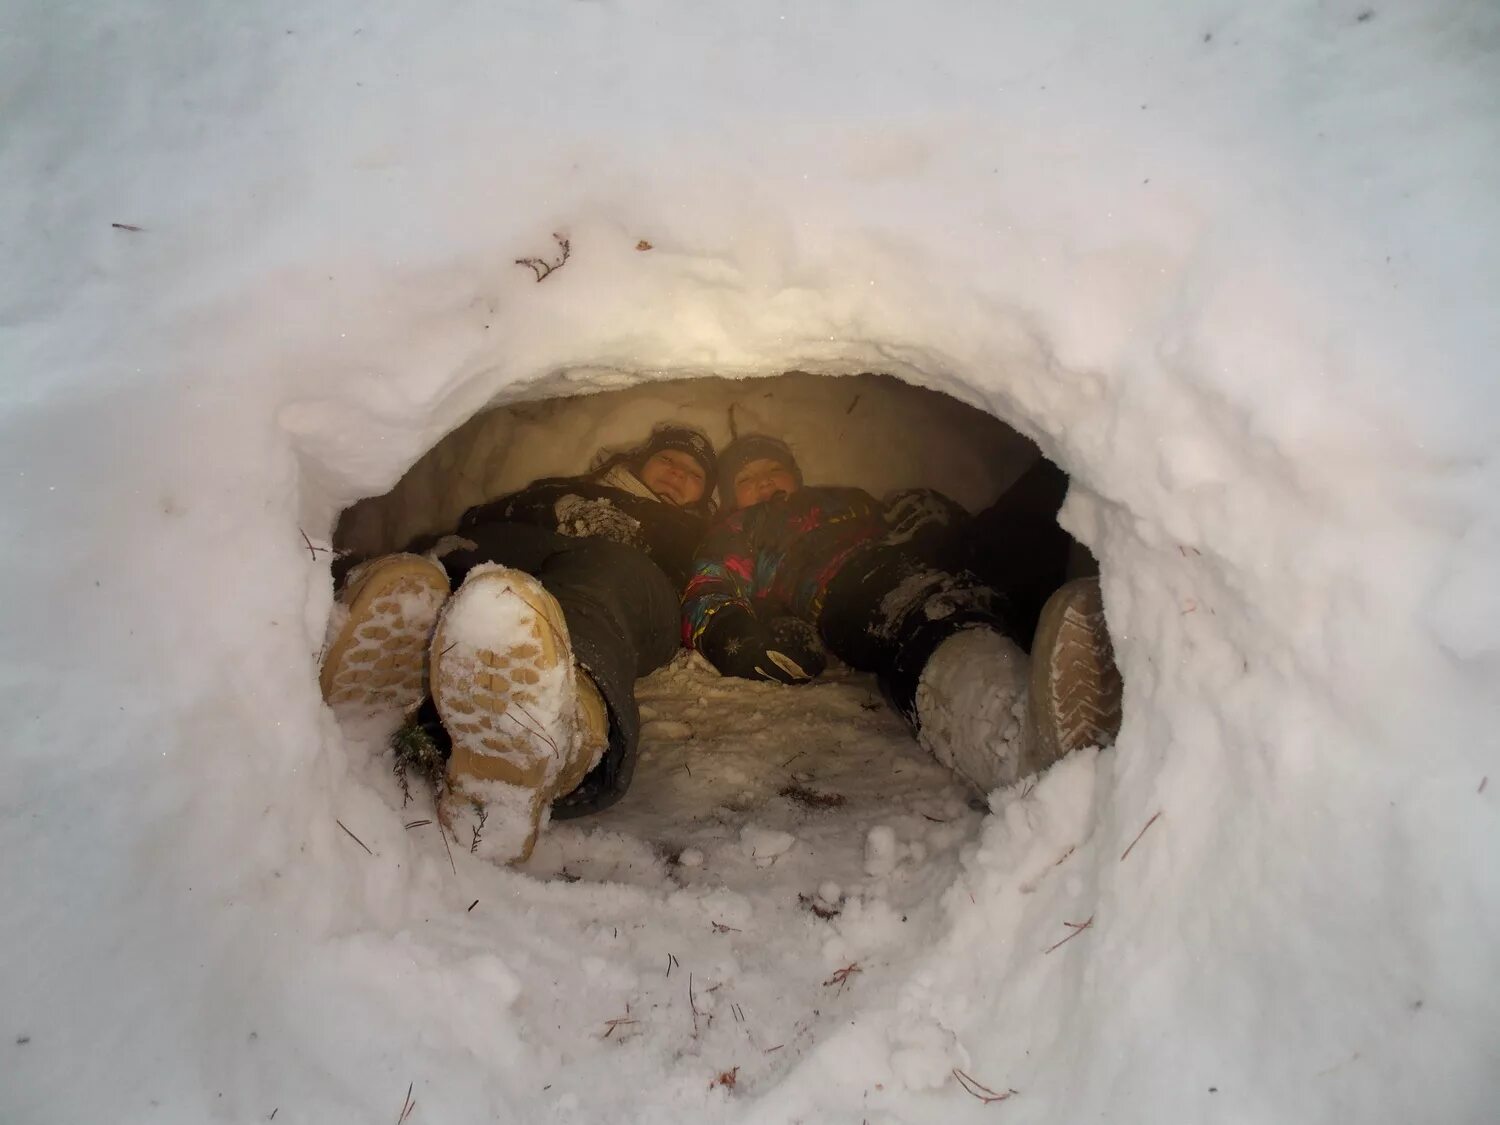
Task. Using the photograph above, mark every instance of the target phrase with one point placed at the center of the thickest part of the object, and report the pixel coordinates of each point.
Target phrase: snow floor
(776, 864)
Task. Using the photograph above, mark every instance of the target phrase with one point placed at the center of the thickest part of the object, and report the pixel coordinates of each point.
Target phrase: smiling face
(761, 479)
(673, 476)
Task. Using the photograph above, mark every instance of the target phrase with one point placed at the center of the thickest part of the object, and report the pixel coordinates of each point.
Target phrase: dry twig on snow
(980, 1090)
(623, 1021)
(841, 978)
(353, 837)
(1077, 928)
(1139, 834)
(408, 1105)
(544, 269)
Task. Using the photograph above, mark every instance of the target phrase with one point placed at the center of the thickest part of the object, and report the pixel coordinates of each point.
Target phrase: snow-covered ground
(1231, 265)
(776, 872)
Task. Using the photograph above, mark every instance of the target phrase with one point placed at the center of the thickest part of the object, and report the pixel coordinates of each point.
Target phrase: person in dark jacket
(942, 607)
(566, 592)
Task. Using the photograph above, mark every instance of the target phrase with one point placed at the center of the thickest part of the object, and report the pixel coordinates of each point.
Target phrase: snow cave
(735, 772)
(277, 281)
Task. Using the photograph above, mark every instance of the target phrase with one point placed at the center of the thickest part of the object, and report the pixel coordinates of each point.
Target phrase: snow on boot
(379, 631)
(524, 723)
(971, 707)
(1076, 690)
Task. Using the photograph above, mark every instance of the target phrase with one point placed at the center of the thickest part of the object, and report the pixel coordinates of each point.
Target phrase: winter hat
(751, 447)
(684, 439)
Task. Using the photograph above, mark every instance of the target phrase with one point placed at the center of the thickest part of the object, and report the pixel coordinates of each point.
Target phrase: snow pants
(893, 602)
(623, 621)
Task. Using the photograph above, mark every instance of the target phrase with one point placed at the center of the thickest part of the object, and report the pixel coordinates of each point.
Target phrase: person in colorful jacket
(523, 679)
(943, 608)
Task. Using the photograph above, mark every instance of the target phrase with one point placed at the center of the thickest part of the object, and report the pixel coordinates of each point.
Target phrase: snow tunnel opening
(733, 776)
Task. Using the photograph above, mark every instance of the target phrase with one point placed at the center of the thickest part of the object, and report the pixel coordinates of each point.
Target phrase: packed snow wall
(1231, 267)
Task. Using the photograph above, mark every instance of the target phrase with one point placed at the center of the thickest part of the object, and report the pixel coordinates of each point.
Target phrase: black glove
(737, 644)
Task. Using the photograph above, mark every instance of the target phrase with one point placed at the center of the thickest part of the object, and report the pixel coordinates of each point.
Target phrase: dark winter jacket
(585, 509)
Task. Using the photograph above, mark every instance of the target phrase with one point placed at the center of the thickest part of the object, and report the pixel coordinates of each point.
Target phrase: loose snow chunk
(923, 1054)
(667, 730)
(690, 857)
(880, 851)
(830, 892)
(763, 845)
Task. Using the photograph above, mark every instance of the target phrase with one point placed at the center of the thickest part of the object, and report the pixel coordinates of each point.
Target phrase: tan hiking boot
(1076, 690)
(526, 724)
(380, 627)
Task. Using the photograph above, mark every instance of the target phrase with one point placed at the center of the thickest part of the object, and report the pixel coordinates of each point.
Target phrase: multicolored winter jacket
(776, 559)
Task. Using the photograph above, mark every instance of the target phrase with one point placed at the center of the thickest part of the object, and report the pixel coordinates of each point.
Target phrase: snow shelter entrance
(823, 781)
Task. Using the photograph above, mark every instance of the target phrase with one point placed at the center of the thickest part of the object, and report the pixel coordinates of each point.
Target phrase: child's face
(761, 479)
(673, 476)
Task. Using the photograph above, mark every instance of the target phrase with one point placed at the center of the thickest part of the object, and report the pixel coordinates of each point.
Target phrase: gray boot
(994, 717)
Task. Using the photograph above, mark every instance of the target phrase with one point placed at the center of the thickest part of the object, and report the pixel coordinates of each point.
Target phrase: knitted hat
(684, 439)
(744, 449)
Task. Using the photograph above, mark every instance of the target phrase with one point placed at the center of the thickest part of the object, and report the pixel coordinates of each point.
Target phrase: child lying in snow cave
(565, 593)
(942, 608)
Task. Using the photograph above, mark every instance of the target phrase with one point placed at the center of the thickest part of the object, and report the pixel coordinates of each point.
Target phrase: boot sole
(505, 702)
(1076, 689)
(377, 659)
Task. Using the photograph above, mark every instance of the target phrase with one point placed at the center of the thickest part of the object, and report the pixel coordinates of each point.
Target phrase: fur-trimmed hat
(685, 439)
(744, 449)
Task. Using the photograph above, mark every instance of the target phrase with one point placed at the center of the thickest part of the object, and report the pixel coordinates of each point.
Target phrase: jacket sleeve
(721, 578)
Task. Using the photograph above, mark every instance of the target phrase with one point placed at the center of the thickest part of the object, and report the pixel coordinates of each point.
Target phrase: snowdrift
(1232, 268)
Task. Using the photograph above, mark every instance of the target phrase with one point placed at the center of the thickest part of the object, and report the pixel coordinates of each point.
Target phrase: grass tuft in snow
(417, 754)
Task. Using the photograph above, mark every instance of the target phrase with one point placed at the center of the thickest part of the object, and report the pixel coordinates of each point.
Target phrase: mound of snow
(1231, 266)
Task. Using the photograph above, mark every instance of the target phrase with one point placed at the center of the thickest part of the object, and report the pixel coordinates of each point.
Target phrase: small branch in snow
(409, 825)
(1070, 851)
(671, 961)
(408, 1105)
(311, 550)
(778, 1047)
(623, 1021)
(483, 814)
(1077, 928)
(544, 269)
(1138, 835)
(721, 928)
(693, 1004)
(444, 826)
(739, 1013)
(980, 1090)
(131, 227)
(643, 245)
(472, 905)
(727, 1079)
(841, 978)
(353, 837)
